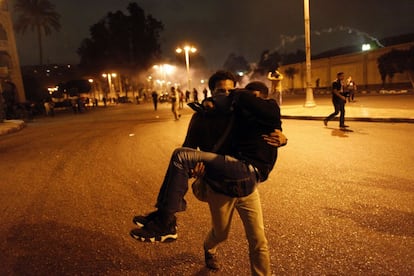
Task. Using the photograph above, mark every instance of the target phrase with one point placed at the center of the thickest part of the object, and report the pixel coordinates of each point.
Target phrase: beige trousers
(250, 211)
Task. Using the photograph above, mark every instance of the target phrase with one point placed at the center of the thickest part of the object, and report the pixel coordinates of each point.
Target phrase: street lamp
(109, 77)
(187, 49)
(93, 87)
(164, 70)
(366, 47)
(309, 93)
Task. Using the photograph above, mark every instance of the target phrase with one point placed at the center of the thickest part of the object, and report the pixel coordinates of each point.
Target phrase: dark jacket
(337, 86)
(208, 125)
(255, 117)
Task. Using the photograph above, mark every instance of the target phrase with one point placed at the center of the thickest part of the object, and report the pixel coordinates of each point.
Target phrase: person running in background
(351, 89)
(338, 101)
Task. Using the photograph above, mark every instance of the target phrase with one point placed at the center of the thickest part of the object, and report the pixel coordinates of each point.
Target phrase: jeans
(250, 211)
(223, 168)
(339, 106)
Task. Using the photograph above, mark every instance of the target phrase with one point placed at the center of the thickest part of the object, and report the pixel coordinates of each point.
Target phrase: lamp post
(164, 70)
(187, 49)
(93, 87)
(109, 77)
(309, 93)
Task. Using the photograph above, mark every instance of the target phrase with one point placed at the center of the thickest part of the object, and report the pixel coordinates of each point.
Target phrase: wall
(362, 66)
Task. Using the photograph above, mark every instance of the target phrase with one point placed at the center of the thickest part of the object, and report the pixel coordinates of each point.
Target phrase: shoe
(343, 126)
(211, 261)
(155, 230)
(140, 221)
(325, 122)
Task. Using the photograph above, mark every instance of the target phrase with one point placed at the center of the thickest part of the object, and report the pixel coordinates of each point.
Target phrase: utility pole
(309, 93)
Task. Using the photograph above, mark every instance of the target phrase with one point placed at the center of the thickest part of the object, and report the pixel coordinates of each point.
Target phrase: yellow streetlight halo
(186, 48)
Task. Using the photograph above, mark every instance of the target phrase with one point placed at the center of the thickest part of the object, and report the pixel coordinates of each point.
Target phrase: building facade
(362, 66)
(9, 59)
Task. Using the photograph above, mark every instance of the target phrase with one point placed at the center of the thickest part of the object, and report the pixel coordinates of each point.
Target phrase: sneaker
(343, 126)
(154, 231)
(325, 122)
(140, 221)
(211, 261)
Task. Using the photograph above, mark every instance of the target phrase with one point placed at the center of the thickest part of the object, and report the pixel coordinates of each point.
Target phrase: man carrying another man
(243, 158)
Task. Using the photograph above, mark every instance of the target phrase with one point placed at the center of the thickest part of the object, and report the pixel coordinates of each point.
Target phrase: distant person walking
(338, 101)
(175, 103)
(351, 89)
(205, 92)
(49, 107)
(181, 97)
(187, 96)
(154, 96)
(195, 95)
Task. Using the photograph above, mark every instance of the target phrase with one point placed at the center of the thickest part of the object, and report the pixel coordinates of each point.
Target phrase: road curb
(10, 126)
(358, 119)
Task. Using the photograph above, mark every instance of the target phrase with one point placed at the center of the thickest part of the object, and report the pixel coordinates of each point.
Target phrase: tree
(290, 73)
(35, 90)
(122, 42)
(269, 62)
(235, 64)
(39, 16)
(397, 61)
(290, 58)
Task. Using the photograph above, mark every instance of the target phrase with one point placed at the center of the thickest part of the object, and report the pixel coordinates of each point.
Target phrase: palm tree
(38, 15)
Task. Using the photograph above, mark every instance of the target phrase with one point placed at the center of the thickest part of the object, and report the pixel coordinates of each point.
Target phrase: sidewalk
(9, 126)
(352, 113)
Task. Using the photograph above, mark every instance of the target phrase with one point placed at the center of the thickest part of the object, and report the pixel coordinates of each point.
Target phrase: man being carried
(245, 158)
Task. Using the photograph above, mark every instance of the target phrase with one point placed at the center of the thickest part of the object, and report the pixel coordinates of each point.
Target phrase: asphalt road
(337, 203)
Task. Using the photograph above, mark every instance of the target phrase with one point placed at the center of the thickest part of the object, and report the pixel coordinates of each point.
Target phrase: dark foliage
(122, 41)
(75, 87)
(269, 61)
(34, 89)
(396, 61)
(235, 64)
(297, 57)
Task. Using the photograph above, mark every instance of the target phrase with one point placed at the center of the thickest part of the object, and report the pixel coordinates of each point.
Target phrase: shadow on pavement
(51, 248)
(394, 222)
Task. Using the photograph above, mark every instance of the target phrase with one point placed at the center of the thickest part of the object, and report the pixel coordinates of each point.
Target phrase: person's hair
(258, 86)
(339, 74)
(220, 76)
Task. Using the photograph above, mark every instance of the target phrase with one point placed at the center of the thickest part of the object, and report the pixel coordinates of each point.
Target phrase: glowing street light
(109, 77)
(366, 47)
(91, 82)
(164, 70)
(187, 49)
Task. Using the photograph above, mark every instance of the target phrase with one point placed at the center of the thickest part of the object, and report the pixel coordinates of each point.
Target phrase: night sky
(220, 27)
